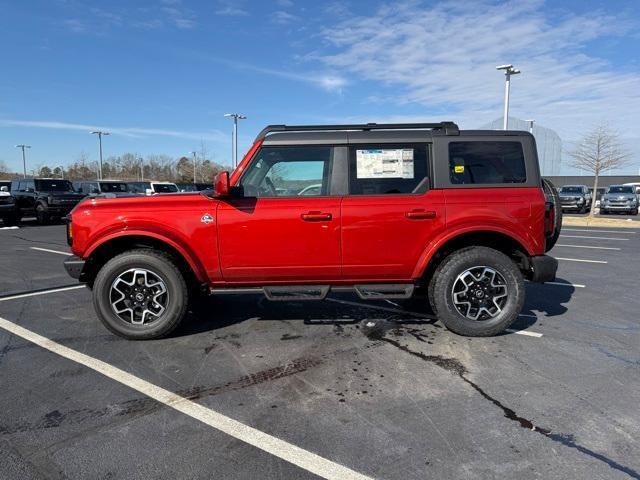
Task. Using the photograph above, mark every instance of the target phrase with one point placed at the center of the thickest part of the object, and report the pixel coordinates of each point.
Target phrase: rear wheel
(42, 216)
(140, 295)
(477, 292)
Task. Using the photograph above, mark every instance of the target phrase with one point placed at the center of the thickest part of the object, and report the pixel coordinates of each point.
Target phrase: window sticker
(458, 169)
(384, 163)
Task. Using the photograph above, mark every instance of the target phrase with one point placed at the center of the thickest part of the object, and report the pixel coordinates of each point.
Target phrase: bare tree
(4, 170)
(599, 151)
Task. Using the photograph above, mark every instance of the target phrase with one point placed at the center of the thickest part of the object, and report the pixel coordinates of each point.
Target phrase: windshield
(618, 189)
(164, 188)
(571, 189)
(113, 187)
(54, 186)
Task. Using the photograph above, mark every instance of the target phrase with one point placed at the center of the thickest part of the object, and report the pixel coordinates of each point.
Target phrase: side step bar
(284, 293)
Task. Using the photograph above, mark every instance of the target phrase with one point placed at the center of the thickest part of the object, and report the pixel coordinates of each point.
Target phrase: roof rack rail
(450, 128)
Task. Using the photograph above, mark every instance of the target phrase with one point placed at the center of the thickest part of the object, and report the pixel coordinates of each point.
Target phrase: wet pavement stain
(456, 367)
(145, 405)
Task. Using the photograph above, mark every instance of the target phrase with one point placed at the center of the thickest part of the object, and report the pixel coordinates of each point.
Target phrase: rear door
(390, 213)
(285, 226)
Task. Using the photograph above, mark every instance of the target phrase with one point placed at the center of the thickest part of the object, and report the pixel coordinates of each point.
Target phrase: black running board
(284, 293)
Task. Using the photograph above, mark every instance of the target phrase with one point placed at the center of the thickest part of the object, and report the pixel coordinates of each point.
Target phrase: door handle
(316, 217)
(420, 214)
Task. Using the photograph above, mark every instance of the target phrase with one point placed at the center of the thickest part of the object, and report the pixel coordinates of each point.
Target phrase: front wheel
(477, 292)
(140, 295)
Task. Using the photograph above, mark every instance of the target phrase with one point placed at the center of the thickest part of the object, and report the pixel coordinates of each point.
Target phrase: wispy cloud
(101, 21)
(327, 80)
(131, 132)
(283, 18)
(231, 8)
(442, 55)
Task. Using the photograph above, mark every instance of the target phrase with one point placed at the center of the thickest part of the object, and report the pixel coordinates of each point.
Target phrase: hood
(571, 195)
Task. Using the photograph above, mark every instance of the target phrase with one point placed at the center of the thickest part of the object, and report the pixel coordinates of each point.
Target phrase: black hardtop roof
(370, 132)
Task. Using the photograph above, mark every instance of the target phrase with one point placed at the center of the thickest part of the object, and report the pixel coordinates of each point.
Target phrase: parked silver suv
(619, 198)
(575, 197)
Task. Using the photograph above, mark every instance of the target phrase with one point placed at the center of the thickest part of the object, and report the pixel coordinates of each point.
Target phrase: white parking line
(41, 292)
(524, 332)
(300, 457)
(580, 260)
(596, 231)
(50, 251)
(596, 238)
(576, 285)
(587, 246)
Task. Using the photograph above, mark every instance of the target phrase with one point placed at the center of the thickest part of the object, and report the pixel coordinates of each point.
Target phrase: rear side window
(486, 163)
(388, 169)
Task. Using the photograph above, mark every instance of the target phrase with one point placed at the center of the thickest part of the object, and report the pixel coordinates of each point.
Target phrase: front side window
(486, 163)
(288, 172)
(388, 169)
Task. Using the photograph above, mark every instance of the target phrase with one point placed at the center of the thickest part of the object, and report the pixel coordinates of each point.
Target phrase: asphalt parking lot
(342, 388)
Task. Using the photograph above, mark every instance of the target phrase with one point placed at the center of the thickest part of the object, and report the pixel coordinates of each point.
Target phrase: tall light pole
(195, 160)
(531, 122)
(24, 159)
(100, 133)
(234, 138)
(508, 71)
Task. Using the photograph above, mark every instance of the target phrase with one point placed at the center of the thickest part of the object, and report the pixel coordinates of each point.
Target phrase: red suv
(384, 210)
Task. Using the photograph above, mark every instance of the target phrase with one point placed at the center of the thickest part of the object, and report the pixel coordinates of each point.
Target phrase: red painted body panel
(380, 239)
(266, 239)
(307, 240)
(174, 219)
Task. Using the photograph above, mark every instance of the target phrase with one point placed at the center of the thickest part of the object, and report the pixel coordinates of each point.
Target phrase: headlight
(51, 200)
(581, 200)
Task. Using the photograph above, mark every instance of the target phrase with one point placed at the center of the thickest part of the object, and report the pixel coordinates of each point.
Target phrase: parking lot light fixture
(100, 133)
(508, 71)
(24, 159)
(234, 136)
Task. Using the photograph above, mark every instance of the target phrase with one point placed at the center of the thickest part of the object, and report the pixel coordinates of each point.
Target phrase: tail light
(69, 223)
(550, 218)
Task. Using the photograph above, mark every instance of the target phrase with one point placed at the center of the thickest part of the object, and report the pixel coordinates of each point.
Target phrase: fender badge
(206, 219)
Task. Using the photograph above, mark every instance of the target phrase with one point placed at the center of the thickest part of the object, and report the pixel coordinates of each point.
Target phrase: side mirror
(4, 189)
(221, 187)
(148, 191)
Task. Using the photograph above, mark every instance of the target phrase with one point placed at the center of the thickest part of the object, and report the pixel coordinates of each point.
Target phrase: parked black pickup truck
(44, 198)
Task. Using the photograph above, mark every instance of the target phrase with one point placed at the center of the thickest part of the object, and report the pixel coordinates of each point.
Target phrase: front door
(390, 215)
(285, 225)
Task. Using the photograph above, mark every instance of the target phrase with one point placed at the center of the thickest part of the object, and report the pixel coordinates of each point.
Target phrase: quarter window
(388, 169)
(289, 172)
(486, 162)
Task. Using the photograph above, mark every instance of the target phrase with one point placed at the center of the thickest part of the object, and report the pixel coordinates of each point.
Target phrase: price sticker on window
(458, 169)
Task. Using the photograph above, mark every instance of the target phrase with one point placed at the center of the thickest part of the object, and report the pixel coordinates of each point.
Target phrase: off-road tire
(42, 216)
(441, 286)
(162, 266)
(551, 192)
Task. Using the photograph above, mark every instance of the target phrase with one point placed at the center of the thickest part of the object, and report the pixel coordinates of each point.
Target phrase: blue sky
(160, 74)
